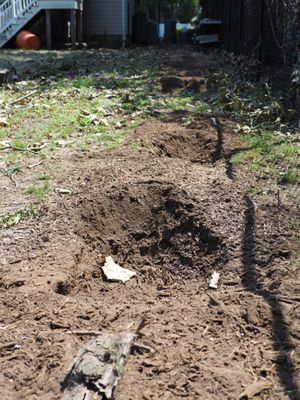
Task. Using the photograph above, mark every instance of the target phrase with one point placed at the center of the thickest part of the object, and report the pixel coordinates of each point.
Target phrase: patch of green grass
(251, 189)
(110, 139)
(42, 176)
(178, 103)
(136, 146)
(113, 139)
(18, 144)
(290, 176)
(38, 191)
(266, 146)
(244, 156)
(83, 147)
(85, 109)
(272, 152)
(203, 108)
(77, 83)
(14, 218)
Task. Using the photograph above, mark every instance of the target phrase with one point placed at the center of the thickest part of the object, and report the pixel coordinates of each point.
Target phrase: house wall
(103, 21)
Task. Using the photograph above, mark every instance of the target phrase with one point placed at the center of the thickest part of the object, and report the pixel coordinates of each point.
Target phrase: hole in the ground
(63, 287)
(195, 142)
(162, 227)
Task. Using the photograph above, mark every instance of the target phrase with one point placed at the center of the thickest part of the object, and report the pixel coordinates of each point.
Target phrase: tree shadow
(280, 332)
(220, 153)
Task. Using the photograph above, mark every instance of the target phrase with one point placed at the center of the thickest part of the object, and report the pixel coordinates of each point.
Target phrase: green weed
(42, 176)
(290, 176)
(14, 218)
(38, 191)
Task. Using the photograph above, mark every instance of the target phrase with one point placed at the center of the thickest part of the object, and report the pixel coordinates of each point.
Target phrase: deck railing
(11, 10)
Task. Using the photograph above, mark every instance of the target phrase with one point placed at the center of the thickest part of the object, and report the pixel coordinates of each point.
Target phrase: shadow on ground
(280, 332)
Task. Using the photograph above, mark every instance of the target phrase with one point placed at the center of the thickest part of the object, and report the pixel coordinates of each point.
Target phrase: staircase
(14, 14)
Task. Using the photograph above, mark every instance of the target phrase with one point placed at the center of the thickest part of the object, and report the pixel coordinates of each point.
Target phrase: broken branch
(23, 97)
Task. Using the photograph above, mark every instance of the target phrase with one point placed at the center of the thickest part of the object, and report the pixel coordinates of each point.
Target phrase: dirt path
(168, 205)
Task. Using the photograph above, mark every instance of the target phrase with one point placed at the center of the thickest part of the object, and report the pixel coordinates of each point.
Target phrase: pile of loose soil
(170, 210)
(175, 141)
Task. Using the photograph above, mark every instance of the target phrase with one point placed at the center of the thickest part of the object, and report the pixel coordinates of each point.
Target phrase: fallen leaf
(115, 272)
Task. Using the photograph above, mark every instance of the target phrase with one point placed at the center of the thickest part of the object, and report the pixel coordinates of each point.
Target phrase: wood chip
(254, 389)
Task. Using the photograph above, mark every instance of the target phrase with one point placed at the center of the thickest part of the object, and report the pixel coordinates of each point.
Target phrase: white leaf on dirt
(214, 280)
(63, 191)
(5, 143)
(115, 272)
(3, 122)
(104, 121)
(64, 142)
(118, 124)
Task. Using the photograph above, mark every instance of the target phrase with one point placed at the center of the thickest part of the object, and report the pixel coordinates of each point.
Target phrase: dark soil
(172, 210)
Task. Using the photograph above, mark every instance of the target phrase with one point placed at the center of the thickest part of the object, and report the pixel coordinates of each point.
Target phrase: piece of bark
(254, 389)
(98, 367)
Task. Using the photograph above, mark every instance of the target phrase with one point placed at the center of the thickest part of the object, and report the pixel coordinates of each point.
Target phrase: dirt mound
(154, 224)
(195, 143)
(166, 218)
(171, 83)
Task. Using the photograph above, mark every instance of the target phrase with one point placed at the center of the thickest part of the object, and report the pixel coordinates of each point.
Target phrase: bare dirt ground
(169, 205)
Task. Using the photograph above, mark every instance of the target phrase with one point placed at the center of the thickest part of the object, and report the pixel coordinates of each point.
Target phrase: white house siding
(103, 18)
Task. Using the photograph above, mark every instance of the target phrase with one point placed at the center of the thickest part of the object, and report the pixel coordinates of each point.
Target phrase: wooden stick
(85, 333)
(17, 148)
(36, 164)
(140, 346)
(23, 97)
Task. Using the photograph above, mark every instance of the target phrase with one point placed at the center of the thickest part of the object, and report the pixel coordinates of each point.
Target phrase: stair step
(17, 23)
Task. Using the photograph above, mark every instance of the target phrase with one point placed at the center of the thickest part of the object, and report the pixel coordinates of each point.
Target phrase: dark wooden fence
(263, 28)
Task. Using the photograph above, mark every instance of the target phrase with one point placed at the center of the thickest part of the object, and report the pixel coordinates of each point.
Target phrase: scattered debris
(58, 325)
(63, 191)
(3, 122)
(254, 389)
(35, 164)
(214, 280)
(142, 348)
(36, 147)
(98, 367)
(10, 146)
(114, 272)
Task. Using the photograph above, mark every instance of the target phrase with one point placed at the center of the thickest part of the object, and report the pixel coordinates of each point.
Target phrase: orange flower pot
(28, 41)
